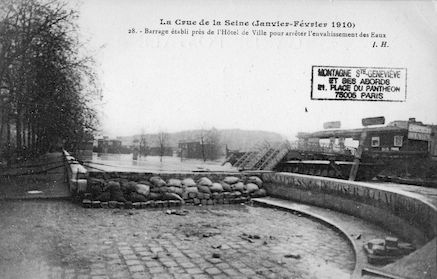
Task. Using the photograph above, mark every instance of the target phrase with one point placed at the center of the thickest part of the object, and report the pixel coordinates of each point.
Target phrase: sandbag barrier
(139, 192)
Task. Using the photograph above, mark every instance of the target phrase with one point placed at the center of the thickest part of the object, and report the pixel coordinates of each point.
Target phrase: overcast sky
(179, 82)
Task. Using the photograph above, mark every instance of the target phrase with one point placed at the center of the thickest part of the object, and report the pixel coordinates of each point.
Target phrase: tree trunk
(18, 129)
(2, 126)
(28, 134)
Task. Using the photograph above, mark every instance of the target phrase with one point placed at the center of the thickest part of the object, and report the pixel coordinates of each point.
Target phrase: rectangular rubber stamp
(358, 83)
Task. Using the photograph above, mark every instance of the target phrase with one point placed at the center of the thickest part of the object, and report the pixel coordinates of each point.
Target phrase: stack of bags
(230, 190)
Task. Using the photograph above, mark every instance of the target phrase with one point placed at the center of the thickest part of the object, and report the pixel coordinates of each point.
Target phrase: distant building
(106, 145)
(156, 151)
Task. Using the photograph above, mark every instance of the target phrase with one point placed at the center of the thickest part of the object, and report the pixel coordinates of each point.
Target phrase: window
(398, 140)
(375, 142)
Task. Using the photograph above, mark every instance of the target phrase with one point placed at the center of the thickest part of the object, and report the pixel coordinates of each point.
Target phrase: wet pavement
(357, 230)
(55, 239)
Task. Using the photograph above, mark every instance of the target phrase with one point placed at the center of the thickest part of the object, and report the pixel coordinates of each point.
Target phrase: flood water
(125, 162)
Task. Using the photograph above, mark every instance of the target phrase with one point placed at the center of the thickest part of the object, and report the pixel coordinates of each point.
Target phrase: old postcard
(218, 139)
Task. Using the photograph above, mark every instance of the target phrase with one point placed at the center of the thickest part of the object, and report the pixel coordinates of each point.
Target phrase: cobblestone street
(58, 239)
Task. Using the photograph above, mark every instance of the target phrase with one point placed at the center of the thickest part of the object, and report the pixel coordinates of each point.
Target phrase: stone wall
(75, 172)
(401, 212)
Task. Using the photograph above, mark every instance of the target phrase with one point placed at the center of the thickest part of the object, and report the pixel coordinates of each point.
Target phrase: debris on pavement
(216, 255)
(293, 256)
(181, 212)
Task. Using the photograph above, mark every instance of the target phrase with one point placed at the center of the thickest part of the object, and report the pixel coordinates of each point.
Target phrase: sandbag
(205, 181)
(256, 180)
(188, 182)
(204, 189)
(96, 190)
(216, 196)
(117, 196)
(174, 182)
(216, 187)
(252, 187)
(130, 187)
(96, 181)
(176, 190)
(226, 187)
(155, 189)
(157, 181)
(113, 186)
(171, 196)
(123, 184)
(135, 197)
(192, 195)
(191, 190)
(104, 197)
(145, 182)
(238, 186)
(260, 193)
(164, 189)
(155, 196)
(236, 194)
(143, 189)
(231, 179)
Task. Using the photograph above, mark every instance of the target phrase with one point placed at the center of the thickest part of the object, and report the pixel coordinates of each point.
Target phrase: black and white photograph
(218, 139)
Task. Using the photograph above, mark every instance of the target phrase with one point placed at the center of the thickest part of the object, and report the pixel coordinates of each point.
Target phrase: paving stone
(176, 270)
(223, 265)
(156, 269)
(183, 276)
(140, 275)
(247, 271)
(130, 257)
(162, 276)
(194, 270)
(178, 255)
(114, 262)
(141, 249)
(120, 274)
(112, 256)
(215, 260)
(136, 268)
(193, 255)
(145, 253)
(212, 271)
(126, 252)
(231, 271)
(133, 262)
(152, 263)
(187, 265)
(98, 272)
(169, 263)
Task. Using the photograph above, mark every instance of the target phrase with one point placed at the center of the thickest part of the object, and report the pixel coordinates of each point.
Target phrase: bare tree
(143, 143)
(162, 143)
(209, 144)
(202, 138)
